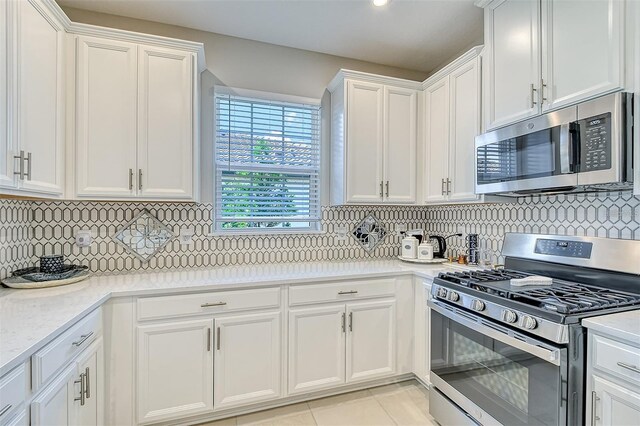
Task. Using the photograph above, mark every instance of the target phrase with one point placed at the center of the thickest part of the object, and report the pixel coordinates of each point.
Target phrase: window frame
(316, 226)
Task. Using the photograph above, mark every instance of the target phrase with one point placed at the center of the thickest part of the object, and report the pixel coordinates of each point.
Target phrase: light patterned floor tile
(231, 421)
(339, 399)
(404, 408)
(281, 415)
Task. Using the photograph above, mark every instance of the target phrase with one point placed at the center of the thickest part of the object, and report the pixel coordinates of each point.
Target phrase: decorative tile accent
(144, 236)
(369, 233)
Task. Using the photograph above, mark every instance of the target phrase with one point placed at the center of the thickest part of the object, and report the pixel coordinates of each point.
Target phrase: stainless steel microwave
(584, 148)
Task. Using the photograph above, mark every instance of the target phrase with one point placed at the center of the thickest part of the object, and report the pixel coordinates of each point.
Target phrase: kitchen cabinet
(55, 405)
(174, 369)
(452, 108)
(346, 343)
(247, 366)
(21, 419)
(32, 88)
(373, 139)
(548, 54)
(422, 330)
(614, 404)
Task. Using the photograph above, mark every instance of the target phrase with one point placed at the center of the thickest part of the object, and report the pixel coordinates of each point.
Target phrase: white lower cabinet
(22, 419)
(614, 405)
(54, 405)
(175, 369)
(247, 366)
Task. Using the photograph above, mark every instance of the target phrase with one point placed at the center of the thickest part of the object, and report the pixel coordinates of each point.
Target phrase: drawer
(57, 354)
(13, 392)
(616, 358)
(342, 291)
(203, 303)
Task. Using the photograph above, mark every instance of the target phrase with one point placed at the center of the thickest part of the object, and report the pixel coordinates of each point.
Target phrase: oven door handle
(550, 355)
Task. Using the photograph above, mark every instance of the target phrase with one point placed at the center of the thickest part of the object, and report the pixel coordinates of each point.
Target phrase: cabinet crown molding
(371, 78)
(460, 60)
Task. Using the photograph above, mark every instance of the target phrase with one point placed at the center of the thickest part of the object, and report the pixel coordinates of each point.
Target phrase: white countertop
(29, 319)
(623, 325)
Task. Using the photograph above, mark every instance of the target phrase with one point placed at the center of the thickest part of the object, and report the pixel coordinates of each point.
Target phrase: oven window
(513, 386)
(524, 157)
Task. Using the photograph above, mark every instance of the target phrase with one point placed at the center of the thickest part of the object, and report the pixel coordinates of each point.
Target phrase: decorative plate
(21, 282)
(424, 261)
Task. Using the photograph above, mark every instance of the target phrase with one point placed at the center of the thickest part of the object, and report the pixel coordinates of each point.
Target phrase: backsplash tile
(15, 238)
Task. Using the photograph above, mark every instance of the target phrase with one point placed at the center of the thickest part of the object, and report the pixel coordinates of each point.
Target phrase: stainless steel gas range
(508, 355)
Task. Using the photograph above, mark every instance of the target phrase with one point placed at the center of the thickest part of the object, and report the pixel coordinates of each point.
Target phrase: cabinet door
(371, 340)
(175, 370)
(105, 118)
(7, 179)
(55, 405)
(22, 419)
(316, 348)
(513, 61)
(90, 366)
(464, 126)
(582, 50)
(400, 140)
(364, 142)
(40, 99)
(437, 140)
(615, 405)
(165, 122)
(247, 362)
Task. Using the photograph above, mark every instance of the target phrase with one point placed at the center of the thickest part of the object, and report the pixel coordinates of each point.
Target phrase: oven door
(534, 155)
(495, 375)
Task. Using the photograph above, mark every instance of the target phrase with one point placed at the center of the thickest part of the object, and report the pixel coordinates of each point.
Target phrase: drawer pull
(594, 400)
(629, 367)
(348, 292)
(208, 305)
(5, 409)
(83, 339)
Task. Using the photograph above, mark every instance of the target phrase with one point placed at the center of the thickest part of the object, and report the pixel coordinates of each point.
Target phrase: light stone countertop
(29, 319)
(624, 325)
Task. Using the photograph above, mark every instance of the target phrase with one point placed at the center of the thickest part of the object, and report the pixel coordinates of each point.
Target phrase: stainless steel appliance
(584, 148)
(508, 355)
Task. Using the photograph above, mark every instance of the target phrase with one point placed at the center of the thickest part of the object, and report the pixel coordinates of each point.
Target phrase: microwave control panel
(595, 143)
(578, 249)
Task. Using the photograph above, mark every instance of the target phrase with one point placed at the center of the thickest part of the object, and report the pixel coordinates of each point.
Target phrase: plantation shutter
(267, 164)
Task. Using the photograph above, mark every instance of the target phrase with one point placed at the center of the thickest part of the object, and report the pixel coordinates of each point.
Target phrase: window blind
(267, 164)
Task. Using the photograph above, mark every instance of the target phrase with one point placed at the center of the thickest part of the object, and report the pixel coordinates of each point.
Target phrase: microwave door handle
(565, 149)
(574, 146)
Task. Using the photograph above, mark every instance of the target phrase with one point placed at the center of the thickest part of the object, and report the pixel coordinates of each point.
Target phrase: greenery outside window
(267, 160)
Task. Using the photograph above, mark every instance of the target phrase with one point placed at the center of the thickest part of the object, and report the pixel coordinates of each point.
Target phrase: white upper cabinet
(106, 84)
(6, 152)
(548, 54)
(512, 61)
(165, 123)
(437, 140)
(583, 44)
(373, 139)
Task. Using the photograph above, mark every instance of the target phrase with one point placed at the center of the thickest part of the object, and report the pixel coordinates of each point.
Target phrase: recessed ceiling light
(380, 3)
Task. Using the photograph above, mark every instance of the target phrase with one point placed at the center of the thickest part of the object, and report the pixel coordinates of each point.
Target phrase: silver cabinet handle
(87, 385)
(350, 321)
(381, 189)
(140, 179)
(130, 179)
(387, 189)
(348, 292)
(343, 321)
(442, 187)
(208, 340)
(82, 393)
(629, 367)
(448, 186)
(542, 87)
(83, 338)
(208, 305)
(533, 102)
(218, 339)
(5, 409)
(20, 159)
(594, 400)
(28, 172)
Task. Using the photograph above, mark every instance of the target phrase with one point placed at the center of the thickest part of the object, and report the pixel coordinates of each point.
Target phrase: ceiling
(412, 34)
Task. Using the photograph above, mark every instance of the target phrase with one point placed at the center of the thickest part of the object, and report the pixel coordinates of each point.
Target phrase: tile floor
(405, 403)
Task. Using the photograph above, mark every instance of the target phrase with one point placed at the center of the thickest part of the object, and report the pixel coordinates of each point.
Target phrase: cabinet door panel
(165, 154)
(513, 61)
(247, 362)
(464, 126)
(400, 145)
(371, 341)
(90, 364)
(40, 99)
(437, 140)
(7, 179)
(175, 370)
(583, 45)
(106, 118)
(55, 405)
(615, 405)
(316, 348)
(364, 142)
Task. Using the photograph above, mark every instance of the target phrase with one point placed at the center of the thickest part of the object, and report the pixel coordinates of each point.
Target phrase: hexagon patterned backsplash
(29, 229)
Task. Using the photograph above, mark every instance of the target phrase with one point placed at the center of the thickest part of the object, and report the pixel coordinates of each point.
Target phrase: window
(267, 165)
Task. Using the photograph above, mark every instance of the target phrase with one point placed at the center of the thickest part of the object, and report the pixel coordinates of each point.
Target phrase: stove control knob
(453, 296)
(477, 305)
(529, 322)
(442, 293)
(509, 316)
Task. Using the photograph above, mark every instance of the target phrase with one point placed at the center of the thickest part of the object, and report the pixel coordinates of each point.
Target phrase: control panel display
(595, 143)
(576, 249)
